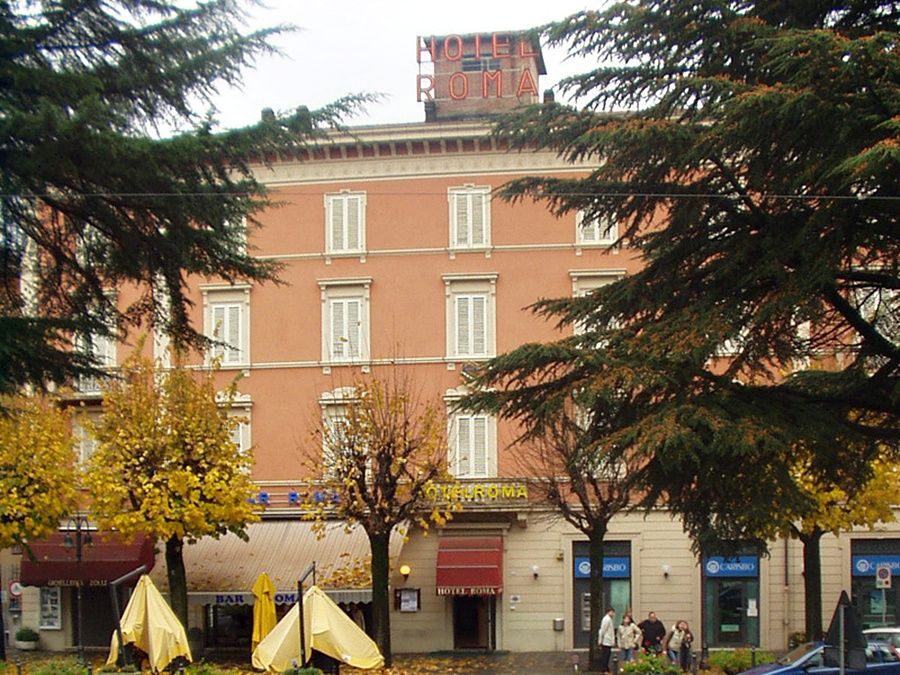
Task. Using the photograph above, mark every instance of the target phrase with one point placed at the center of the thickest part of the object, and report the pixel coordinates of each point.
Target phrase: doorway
(474, 617)
(732, 612)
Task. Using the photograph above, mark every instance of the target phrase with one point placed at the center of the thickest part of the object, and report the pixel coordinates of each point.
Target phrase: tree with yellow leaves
(37, 472)
(835, 510)
(166, 464)
(379, 449)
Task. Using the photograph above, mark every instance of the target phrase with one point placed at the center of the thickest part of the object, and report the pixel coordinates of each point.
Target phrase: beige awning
(222, 571)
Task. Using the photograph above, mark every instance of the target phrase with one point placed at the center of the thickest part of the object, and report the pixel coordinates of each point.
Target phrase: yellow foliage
(383, 451)
(37, 469)
(165, 462)
(837, 510)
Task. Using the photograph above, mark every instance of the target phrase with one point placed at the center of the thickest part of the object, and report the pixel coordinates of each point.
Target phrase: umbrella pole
(302, 631)
(309, 570)
(113, 589)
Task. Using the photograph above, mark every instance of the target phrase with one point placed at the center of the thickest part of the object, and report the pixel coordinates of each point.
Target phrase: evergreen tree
(92, 198)
(756, 173)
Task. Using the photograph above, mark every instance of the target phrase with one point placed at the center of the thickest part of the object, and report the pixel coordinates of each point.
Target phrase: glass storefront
(616, 585)
(876, 606)
(731, 601)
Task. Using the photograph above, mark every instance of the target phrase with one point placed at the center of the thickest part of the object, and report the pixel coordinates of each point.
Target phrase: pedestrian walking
(653, 631)
(607, 638)
(629, 637)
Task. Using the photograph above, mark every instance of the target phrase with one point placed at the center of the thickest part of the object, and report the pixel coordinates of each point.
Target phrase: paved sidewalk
(495, 663)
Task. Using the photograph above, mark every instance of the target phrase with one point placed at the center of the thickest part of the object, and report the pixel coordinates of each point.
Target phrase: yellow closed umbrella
(150, 624)
(264, 617)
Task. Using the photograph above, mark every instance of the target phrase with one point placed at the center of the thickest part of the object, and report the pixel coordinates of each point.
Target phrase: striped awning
(222, 571)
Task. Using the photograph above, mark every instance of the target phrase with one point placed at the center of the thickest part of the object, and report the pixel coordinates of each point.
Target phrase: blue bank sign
(739, 566)
(613, 568)
(865, 565)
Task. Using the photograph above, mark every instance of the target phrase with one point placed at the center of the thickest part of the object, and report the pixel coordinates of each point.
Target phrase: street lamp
(79, 524)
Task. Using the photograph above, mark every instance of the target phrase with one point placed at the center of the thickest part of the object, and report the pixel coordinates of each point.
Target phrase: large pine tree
(92, 197)
(748, 150)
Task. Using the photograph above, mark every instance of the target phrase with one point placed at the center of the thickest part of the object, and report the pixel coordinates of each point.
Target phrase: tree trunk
(595, 549)
(177, 579)
(381, 608)
(812, 583)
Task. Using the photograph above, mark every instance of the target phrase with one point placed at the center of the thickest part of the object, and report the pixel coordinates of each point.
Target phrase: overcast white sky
(355, 46)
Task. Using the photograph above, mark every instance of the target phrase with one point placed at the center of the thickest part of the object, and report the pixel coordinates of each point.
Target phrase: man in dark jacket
(654, 631)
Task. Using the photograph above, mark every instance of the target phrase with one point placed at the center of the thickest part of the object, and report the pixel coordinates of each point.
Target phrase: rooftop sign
(491, 52)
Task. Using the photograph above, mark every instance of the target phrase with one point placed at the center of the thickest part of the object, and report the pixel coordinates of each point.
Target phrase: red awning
(105, 559)
(470, 566)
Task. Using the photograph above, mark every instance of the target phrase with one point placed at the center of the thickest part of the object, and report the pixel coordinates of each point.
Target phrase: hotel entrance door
(474, 618)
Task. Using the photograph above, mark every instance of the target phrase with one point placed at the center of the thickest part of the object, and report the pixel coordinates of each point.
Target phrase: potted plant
(27, 639)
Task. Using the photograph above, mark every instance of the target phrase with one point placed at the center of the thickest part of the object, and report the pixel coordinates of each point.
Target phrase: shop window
(51, 608)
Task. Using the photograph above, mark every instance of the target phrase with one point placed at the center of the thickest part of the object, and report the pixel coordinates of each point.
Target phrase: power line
(651, 195)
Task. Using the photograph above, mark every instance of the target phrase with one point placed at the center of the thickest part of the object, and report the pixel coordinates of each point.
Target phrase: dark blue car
(809, 659)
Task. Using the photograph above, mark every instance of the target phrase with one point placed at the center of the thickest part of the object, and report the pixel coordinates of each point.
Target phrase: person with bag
(678, 644)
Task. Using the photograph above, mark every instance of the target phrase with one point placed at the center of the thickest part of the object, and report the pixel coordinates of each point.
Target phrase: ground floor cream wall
(656, 540)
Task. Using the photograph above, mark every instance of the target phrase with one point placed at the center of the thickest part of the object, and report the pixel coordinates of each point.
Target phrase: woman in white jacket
(629, 637)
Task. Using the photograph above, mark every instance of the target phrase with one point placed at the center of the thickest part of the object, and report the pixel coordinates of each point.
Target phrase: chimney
(549, 96)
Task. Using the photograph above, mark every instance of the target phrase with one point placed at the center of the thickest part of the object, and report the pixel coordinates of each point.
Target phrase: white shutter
(476, 210)
(589, 231)
(337, 329)
(337, 224)
(346, 328)
(233, 355)
(463, 446)
(479, 447)
(353, 326)
(219, 316)
(463, 322)
(471, 325)
(352, 218)
(227, 327)
(478, 325)
(462, 219)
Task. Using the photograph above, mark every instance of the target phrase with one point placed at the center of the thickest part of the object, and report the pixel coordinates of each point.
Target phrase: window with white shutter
(585, 282)
(471, 324)
(346, 325)
(345, 320)
(85, 443)
(227, 331)
(102, 350)
(227, 323)
(473, 453)
(470, 222)
(595, 231)
(345, 222)
(471, 311)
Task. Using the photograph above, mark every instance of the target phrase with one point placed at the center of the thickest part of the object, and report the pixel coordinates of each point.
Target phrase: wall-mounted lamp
(535, 570)
(666, 569)
(404, 571)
